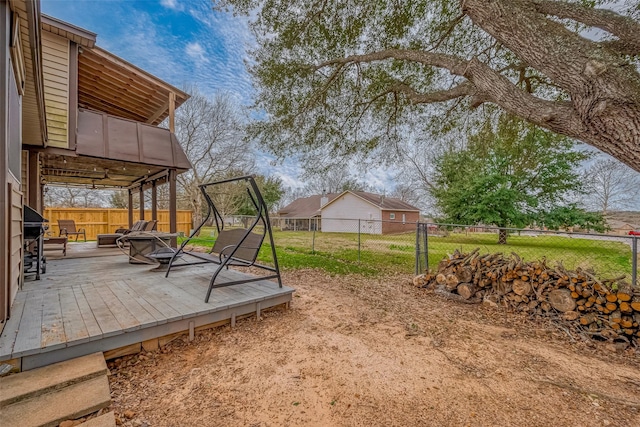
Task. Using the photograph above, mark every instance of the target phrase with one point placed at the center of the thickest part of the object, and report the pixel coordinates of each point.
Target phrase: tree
(612, 186)
(75, 197)
(271, 190)
(334, 179)
(346, 76)
(211, 133)
(511, 175)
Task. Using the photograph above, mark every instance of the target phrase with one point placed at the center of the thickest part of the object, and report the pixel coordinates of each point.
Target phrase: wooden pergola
(114, 139)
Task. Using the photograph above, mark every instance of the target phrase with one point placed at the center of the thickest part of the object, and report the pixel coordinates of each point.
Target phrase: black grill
(33, 229)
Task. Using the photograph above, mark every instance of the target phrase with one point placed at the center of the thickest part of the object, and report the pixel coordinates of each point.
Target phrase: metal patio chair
(68, 228)
(235, 247)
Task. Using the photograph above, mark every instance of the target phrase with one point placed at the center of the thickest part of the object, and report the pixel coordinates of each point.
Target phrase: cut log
(451, 282)
(521, 287)
(561, 300)
(625, 307)
(611, 297)
(464, 274)
(635, 305)
(441, 279)
(466, 290)
(588, 319)
(570, 315)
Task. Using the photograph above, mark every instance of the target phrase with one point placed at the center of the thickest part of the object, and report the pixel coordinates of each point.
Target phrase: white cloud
(196, 52)
(172, 4)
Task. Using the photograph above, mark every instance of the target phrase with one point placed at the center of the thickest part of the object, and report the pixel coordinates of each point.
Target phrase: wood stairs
(63, 391)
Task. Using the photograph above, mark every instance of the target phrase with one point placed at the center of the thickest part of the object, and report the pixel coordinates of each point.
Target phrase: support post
(141, 201)
(359, 226)
(634, 261)
(426, 246)
(35, 188)
(130, 208)
(172, 112)
(173, 206)
(417, 248)
(154, 201)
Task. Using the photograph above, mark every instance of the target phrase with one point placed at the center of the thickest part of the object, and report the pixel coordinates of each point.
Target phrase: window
(404, 218)
(392, 215)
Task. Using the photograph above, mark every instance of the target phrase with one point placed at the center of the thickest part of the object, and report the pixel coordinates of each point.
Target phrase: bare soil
(353, 351)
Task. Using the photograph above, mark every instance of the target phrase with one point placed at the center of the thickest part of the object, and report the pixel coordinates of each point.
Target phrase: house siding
(10, 194)
(348, 213)
(55, 64)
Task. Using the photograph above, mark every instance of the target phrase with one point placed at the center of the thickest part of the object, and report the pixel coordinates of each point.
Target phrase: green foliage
(318, 97)
(512, 174)
(271, 189)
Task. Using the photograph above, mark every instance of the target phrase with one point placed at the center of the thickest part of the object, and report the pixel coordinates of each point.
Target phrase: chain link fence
(408, 247)
(607, 256)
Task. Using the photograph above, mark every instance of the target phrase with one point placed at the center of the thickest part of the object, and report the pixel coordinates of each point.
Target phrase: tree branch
(463, 89)
(626, 29)
(484, 84)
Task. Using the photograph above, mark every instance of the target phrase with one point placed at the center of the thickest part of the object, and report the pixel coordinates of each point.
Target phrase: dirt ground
(379, 352)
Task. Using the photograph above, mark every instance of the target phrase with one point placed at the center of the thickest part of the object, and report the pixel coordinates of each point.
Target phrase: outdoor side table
(61, 240)
(141, 244)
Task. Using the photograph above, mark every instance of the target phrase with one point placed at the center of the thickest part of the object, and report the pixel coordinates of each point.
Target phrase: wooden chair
(68, 228)
(235, 247)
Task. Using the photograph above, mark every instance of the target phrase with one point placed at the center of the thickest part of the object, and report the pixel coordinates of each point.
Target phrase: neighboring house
(353, 211)
(621, 227)
(73, 113)
(303, 214)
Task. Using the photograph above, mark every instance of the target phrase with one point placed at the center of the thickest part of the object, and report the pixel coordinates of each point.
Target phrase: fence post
(634, 261)
(313, 242)
(426, 246)
(358, 239)
(417, 248)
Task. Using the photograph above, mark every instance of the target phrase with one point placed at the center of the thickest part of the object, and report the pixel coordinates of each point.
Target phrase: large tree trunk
(604, 109)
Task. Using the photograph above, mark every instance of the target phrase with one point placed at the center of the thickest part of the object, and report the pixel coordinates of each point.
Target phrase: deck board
(52, 324)
(89, 319)
(128, 321)
(30, 329)
(73, 323)
(145, 314)
(97, 304)
(11, 328)
(153, 299)
(108, 323)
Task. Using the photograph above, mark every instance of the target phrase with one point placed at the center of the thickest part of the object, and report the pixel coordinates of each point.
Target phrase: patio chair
(151, 226)
(236, 247)
(137, 226)
(68, 228)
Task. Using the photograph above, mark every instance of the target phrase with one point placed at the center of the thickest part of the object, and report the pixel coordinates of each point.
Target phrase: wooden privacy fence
(103, 221)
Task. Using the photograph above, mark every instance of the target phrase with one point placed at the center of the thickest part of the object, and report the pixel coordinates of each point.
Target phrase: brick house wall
(399, 224)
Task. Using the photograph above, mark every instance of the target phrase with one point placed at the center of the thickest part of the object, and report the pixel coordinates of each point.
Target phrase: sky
(183, 42)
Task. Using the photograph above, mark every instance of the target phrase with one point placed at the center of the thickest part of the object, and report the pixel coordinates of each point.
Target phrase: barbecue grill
(33, 229)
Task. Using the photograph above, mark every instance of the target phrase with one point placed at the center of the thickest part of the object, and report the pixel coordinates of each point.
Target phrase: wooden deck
(88, 304)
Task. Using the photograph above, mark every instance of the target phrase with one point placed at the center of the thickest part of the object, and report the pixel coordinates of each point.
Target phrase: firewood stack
(607, 309)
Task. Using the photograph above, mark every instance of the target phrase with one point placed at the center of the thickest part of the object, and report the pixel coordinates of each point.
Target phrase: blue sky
(182, 42)
(179, 41)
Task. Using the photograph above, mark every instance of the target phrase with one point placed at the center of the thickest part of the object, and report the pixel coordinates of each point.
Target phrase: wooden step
(68, 403)
(29, 384)
(104, 420)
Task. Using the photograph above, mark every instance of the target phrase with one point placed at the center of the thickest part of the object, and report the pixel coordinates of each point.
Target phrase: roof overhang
(111, 84)
(114, 152)
(78, 35)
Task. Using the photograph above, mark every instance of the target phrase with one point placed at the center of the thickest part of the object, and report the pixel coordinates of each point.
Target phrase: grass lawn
(337, 253)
